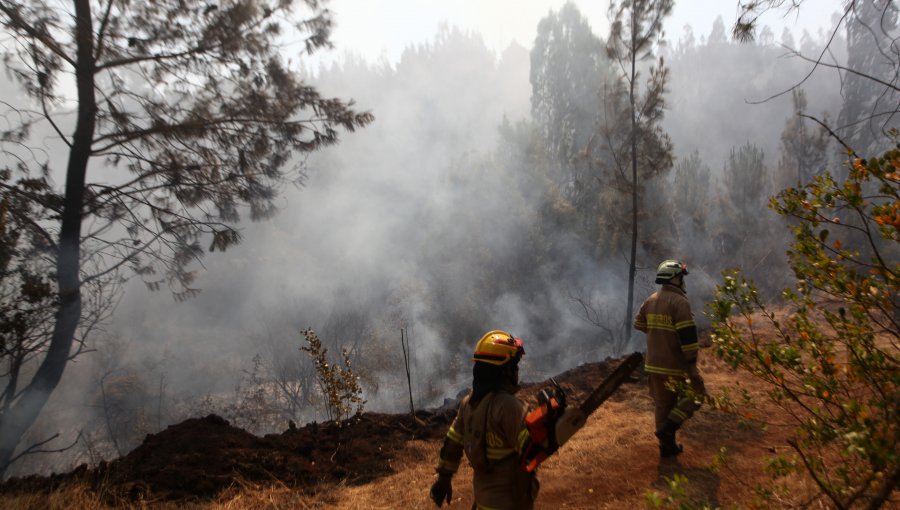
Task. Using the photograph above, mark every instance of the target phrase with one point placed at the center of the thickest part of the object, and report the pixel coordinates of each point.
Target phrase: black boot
(666, 435)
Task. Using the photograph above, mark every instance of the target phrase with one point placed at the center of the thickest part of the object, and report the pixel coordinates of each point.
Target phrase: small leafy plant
(340, 387)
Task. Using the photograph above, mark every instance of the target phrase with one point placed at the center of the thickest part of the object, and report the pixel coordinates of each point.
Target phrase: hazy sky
(382, 29)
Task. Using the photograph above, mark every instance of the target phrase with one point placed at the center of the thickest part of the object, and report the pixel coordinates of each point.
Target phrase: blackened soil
(199, 458)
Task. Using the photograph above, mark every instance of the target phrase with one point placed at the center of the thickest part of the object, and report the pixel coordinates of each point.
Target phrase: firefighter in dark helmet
(490, 429)
(672, 349)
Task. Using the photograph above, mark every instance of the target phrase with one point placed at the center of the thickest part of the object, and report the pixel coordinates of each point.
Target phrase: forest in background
(468, 205)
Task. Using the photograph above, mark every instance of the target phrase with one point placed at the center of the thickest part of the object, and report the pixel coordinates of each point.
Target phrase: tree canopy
(186, 115)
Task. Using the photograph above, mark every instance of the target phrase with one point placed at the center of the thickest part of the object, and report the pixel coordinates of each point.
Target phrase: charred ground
(200, 458)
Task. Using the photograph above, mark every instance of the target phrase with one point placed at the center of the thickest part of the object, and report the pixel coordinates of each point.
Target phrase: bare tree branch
(35, 448)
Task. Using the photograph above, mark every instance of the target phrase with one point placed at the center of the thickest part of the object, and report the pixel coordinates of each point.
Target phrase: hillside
(386, 461)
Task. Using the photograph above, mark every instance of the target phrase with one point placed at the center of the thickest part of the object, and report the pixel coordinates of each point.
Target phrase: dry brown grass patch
(611, 464)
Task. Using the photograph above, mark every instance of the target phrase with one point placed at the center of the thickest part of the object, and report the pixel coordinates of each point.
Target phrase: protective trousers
(671, 405)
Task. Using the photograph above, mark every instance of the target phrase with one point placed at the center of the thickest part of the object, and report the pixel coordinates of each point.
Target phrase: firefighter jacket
(493, 435)
(667, 320)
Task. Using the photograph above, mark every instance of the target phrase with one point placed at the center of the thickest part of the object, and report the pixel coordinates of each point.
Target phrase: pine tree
(568, 63)
(870, 89)
(804, 148)
(192, 113)
(636, 30)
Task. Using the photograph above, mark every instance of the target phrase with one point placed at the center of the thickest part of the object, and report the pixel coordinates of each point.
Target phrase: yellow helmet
(498, 348)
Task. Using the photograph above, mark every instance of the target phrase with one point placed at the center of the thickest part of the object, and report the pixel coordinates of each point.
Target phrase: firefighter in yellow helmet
(672, 349)
(490, 429)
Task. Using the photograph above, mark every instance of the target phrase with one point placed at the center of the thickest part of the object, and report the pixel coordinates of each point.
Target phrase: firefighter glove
(441, 490)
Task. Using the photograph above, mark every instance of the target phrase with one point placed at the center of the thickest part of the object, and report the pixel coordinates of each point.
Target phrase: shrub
(339, 385)
(832, 364)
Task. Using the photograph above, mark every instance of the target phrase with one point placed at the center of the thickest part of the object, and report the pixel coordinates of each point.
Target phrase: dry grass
(612, 463)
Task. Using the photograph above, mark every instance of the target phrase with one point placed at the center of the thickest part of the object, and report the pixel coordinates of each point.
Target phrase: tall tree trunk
(15, 422)
(632, 263)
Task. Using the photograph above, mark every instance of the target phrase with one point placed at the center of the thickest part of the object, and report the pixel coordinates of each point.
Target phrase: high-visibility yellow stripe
(482, 507)
(685, 324)
(690, 347)
(640, 323)
(447, 465)
(498, 453)
(454, 436)
(664, 371)
(524, 435)
(679, 414)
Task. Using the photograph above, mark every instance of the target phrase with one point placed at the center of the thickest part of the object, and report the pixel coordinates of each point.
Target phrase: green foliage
(636, 27)
(195, 103)
(745, 224)
(624, 170)
(635, 32)
(199, 113)
(691, 190)
(720, 459)
(569, 68)
(832, 363)
(781, 466)
(27, 290)
(746, 181)
(677, 499)
(339, 385)
(870, 96)
(567, 64)
(804, 150)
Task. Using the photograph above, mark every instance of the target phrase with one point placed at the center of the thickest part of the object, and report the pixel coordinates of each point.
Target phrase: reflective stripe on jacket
(667, 320)
(499, 480)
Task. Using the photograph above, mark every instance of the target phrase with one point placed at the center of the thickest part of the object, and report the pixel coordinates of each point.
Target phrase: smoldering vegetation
(447, 217)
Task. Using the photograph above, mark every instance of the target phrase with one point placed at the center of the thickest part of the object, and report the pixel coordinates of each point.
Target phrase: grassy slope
(612, 463)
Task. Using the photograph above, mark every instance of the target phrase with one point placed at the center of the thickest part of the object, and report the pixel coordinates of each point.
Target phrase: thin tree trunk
(16, 421)
(407, 353)
(109, 426)
(9, 394)
(632, 263)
